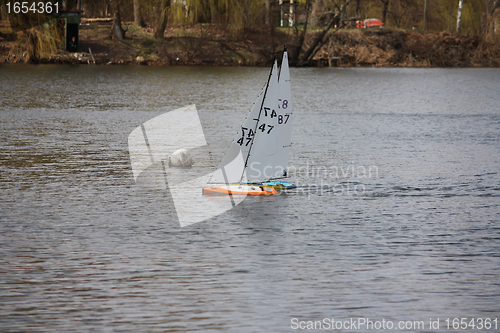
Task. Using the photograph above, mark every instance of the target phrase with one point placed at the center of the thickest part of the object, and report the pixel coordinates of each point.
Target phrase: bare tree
(320, 39)
(295, 57)
(138, 14)
(385, 9)
(492, 17)
(425, 15)
(316, 12)
(459, 15)
(268, 12)
(163, 19)
(116, 29)
(358, 8)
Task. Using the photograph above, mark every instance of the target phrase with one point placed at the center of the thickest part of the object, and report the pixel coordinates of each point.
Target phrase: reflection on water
(82, 248)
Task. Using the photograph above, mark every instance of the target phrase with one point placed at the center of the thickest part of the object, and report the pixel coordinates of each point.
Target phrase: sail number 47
(250, 134)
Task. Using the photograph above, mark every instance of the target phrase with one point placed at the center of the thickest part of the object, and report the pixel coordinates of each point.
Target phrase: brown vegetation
(213, 45)
(385, 47)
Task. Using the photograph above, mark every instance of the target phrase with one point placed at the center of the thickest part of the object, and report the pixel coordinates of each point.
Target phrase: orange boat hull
(240, 190)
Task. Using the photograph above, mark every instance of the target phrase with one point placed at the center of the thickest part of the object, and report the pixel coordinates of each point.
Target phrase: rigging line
(258, 119)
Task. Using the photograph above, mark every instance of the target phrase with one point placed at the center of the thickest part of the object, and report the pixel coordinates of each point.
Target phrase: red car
(372, 23)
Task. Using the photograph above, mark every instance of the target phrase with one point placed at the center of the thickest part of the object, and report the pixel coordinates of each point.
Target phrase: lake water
(397, 217)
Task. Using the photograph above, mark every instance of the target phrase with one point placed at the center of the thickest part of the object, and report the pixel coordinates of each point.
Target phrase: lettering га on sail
(242, 143)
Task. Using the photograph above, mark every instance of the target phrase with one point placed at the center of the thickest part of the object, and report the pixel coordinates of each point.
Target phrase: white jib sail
(242, 143)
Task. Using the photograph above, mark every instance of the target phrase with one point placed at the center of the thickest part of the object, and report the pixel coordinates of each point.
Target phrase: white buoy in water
(180, 158)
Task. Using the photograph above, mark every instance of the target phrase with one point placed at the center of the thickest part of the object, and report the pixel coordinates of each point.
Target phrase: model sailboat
(258, 156)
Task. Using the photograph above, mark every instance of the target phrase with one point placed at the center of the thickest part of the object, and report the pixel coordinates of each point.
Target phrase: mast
(257, 120)
(279, 70)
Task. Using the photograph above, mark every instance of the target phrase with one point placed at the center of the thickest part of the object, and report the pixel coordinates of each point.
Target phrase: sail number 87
(282, 119)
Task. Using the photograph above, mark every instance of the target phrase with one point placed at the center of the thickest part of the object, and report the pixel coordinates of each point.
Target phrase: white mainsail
(263, 140)
(271, 149)
(285, 107)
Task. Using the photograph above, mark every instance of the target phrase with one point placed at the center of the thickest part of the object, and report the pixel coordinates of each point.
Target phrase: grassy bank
(212, 45)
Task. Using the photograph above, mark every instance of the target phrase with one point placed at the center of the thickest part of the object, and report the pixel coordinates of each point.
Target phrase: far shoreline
(212, 47)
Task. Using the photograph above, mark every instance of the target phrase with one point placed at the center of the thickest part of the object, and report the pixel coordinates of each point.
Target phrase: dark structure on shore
(68, 22)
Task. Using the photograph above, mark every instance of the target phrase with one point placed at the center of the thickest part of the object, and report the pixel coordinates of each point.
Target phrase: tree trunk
(358, 8)
(117, 29)
(384, 11)
(315, 13)
(268, 13)
(163, 20)
(459, 15)
(425, 15)
(295, 57)
(496, 21)
(137, 14)
(213, 11)
(343, 14)
(492, 17)
(282, 12)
